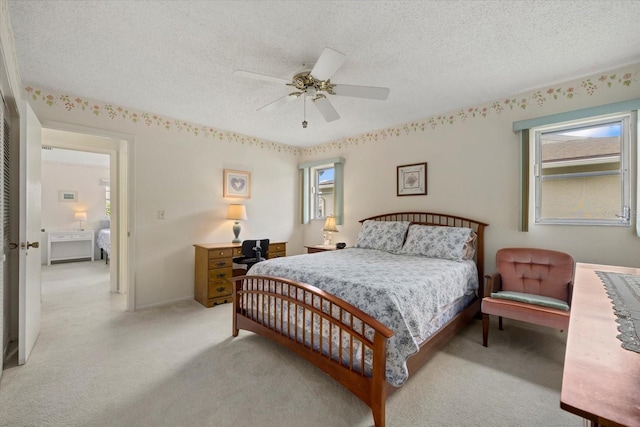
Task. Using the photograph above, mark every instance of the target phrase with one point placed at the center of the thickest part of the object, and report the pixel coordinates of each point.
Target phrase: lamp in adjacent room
(329, 227)
(237, 213)
(80, 216)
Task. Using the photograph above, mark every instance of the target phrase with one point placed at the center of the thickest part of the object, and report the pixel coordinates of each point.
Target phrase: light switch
(161, 214)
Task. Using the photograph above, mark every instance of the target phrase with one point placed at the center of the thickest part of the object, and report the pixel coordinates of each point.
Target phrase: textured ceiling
(177, 58)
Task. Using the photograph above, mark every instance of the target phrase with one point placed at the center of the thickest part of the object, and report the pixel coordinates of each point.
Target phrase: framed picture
(67, 196)
(412, 179)
(236, 184)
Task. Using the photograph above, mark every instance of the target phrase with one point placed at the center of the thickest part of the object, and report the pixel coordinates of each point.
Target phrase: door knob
(34, 245)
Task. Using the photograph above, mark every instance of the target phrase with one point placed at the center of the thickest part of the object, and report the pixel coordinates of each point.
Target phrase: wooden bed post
(236, 307)
(379, 380)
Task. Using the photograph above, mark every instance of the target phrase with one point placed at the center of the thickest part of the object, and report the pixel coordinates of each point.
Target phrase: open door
(29, 274)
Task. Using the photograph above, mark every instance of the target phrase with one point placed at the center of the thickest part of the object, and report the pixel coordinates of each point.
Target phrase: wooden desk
(214, 268)
(601, 380)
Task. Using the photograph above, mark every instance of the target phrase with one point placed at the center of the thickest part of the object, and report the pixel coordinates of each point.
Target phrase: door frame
(120, 148)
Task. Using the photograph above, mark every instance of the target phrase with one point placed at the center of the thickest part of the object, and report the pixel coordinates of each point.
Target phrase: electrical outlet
(161, 214)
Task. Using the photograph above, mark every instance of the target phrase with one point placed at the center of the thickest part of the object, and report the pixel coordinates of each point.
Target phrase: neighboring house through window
(578, 167)
(581, 172)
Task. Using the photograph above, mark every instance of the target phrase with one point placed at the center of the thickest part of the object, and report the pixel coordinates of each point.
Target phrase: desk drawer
(220, 288)
(220, 263)
(220, 274)
(220, 253)
(57, 237)
(277, 247)
(277, 254)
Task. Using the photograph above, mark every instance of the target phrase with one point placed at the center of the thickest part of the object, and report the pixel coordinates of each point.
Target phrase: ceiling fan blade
(280, 102)
(370, 92)
(326, 109)
(259, 76)
(329, 62)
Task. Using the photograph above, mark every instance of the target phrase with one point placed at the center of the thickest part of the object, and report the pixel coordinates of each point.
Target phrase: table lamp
(329, 227)
(237, 212)
(80, 216)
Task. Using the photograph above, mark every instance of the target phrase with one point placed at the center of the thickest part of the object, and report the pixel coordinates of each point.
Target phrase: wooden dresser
(214, 268)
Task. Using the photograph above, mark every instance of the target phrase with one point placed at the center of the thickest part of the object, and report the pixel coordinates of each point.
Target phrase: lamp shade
(237, 212)
(80, 216)
(330, 224)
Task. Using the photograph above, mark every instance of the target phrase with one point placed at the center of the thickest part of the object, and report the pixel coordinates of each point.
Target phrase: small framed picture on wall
(67, 196)
(236, 184)
(412, 179)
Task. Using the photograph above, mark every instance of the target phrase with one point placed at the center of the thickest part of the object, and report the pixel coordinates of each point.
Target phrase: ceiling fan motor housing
(304, 81)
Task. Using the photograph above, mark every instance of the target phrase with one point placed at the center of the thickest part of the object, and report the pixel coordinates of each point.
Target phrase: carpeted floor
(177, 365)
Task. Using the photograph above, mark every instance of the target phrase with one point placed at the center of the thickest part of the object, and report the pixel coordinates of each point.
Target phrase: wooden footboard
(343, 341)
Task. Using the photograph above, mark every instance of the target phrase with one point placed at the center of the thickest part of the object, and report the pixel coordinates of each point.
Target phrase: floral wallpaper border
(537, 98)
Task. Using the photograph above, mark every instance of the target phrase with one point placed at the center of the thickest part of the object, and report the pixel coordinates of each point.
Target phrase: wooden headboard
(429, 218)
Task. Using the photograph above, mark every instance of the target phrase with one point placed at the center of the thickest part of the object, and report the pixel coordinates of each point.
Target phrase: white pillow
(454, 243)
(383, 235)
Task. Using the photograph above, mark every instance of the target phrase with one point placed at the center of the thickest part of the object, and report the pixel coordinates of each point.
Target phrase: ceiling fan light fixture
(316, 84)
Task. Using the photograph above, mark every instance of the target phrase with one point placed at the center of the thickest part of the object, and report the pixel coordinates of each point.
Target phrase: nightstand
(320, 248)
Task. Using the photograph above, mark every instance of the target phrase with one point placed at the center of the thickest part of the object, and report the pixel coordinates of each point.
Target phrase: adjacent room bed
(370, 315)
(103, 240)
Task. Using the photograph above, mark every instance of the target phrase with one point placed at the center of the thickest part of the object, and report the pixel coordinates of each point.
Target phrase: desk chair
(253, 252)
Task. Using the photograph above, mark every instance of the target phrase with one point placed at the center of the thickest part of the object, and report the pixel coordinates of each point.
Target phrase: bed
(103, 240)
(371, 315)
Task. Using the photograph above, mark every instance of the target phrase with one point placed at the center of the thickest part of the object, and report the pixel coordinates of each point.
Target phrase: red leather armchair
(531, 285)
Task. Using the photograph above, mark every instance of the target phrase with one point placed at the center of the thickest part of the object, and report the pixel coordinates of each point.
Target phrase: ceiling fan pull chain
(304, 110)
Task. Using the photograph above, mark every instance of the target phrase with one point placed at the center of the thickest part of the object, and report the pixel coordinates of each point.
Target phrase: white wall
(178, 168)
(473, 169)
(85, 179)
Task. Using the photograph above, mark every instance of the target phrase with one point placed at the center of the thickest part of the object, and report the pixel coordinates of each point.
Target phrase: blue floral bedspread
(406, 293)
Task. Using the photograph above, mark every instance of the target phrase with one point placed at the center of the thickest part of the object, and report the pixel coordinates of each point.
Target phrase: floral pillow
(383, 235)
(454, 243)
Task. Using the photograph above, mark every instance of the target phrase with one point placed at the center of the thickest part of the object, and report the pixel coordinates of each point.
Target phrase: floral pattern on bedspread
(104, 240)
(403, 292)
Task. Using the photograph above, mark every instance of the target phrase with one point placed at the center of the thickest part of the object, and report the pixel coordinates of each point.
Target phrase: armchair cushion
(532, 299)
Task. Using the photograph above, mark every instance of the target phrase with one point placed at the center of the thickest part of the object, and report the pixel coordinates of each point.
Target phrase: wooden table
(601, 380)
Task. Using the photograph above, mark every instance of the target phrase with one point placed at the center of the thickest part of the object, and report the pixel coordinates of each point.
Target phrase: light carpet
(96, 365)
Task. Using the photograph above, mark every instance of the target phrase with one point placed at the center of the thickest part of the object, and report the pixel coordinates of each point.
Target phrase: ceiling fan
(315, 85)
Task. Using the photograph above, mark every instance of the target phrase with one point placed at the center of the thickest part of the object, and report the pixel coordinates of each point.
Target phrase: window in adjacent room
(581, 171)
(107, 195)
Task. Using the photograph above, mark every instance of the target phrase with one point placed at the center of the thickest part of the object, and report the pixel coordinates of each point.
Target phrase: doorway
(60, 136)
(76, 208)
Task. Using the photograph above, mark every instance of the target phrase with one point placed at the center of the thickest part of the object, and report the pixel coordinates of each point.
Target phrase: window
(322, 189)
(107, 196)
(581, 171)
